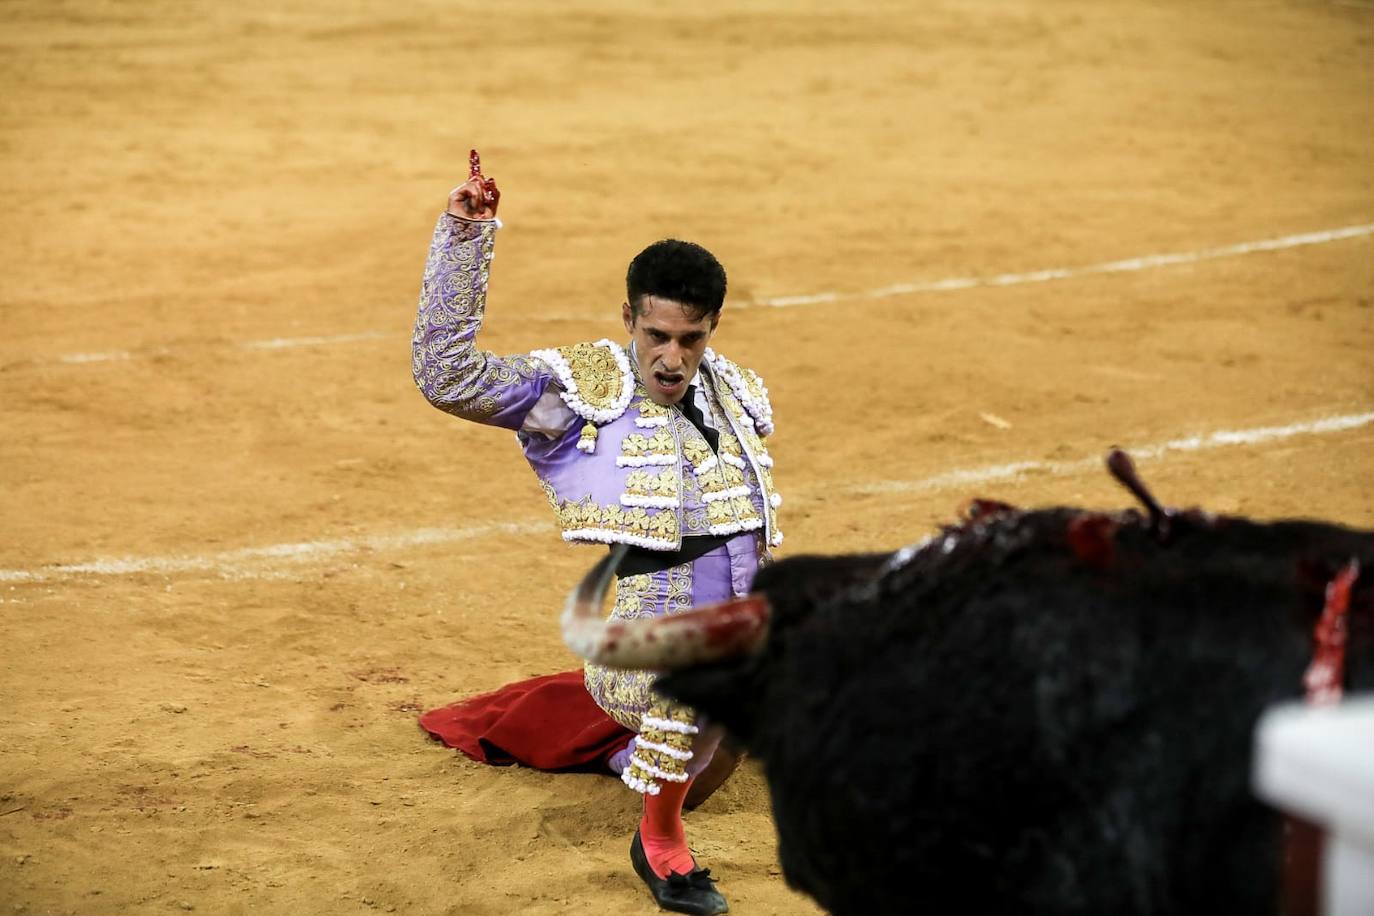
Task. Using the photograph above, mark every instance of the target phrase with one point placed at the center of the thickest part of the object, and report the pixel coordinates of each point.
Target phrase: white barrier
(1318, 763)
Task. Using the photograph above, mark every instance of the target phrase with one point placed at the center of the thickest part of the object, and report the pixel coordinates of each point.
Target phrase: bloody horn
(705, 634)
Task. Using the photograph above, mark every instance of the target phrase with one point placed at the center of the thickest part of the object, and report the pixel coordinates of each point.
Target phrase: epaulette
(596, 381)
(748, 388)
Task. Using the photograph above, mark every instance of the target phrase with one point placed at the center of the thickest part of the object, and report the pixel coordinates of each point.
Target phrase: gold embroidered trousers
(663, 746)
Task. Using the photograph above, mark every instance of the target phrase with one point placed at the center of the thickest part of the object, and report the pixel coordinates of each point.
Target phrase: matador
(659, 445)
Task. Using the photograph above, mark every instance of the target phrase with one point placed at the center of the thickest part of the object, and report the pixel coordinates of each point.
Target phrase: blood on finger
(474, 164)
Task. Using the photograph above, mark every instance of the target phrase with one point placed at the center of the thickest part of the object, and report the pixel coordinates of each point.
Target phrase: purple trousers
(672, 742)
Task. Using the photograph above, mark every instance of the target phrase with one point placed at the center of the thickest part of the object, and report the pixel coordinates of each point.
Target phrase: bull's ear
(726, 692)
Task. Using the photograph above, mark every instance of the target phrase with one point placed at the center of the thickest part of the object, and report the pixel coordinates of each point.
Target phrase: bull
(1043, 711)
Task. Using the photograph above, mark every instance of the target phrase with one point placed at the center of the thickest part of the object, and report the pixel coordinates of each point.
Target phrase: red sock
(661, 832)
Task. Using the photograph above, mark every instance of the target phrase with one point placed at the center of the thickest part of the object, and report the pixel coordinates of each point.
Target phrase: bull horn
(705, 634)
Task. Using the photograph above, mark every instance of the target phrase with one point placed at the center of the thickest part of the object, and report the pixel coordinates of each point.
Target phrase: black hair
(681, 271)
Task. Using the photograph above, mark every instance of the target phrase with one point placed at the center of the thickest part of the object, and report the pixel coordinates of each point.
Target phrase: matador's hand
(477, 197)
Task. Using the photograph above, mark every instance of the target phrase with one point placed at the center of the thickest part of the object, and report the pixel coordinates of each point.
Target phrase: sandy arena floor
(240, 552)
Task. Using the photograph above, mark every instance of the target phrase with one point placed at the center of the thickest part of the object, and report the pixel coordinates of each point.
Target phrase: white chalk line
(273, 343)
(249, 562)
(1064, 273)
(257, 562)
(287, 343)
(1018, 469)
(76, 359)
(899, 289)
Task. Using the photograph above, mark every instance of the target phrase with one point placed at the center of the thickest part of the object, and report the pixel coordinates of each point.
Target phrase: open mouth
(669, 381)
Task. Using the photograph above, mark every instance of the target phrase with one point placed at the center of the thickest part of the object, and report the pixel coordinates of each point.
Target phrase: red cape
(549, 723)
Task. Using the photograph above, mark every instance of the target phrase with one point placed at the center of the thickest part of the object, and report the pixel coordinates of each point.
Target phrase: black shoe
(680, 893)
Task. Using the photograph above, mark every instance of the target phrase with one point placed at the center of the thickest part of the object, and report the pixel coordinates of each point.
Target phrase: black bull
(1047, 711)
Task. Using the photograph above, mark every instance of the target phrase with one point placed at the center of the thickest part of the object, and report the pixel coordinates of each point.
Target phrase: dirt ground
(240, 552)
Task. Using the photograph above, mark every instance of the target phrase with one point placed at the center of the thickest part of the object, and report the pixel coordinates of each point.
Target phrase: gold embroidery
(596, 373)
(696, 450)
(753, 443)
(754, 384)
(747, 387)
(674, 483)
(665, 767)
(662, 443)
(627, 695)
(664, 524)
(629, 597)
(448, 367)
(718, 512)
(638, 445)
(738, 509)
(648, 409)
(585, 514)
(647, 483)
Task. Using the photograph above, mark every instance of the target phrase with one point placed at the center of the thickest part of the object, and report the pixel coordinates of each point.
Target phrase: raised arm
(451, 372)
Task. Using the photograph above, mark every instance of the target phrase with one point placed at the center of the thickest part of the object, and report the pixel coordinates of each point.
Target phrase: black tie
(693, 413)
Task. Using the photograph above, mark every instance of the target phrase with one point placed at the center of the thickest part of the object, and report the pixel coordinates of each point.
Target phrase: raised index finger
(474, 164)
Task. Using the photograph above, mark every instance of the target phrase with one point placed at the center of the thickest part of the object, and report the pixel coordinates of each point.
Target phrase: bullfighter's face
(670, 339)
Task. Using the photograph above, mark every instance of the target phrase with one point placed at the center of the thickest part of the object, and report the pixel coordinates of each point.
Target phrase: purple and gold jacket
(627, 470)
